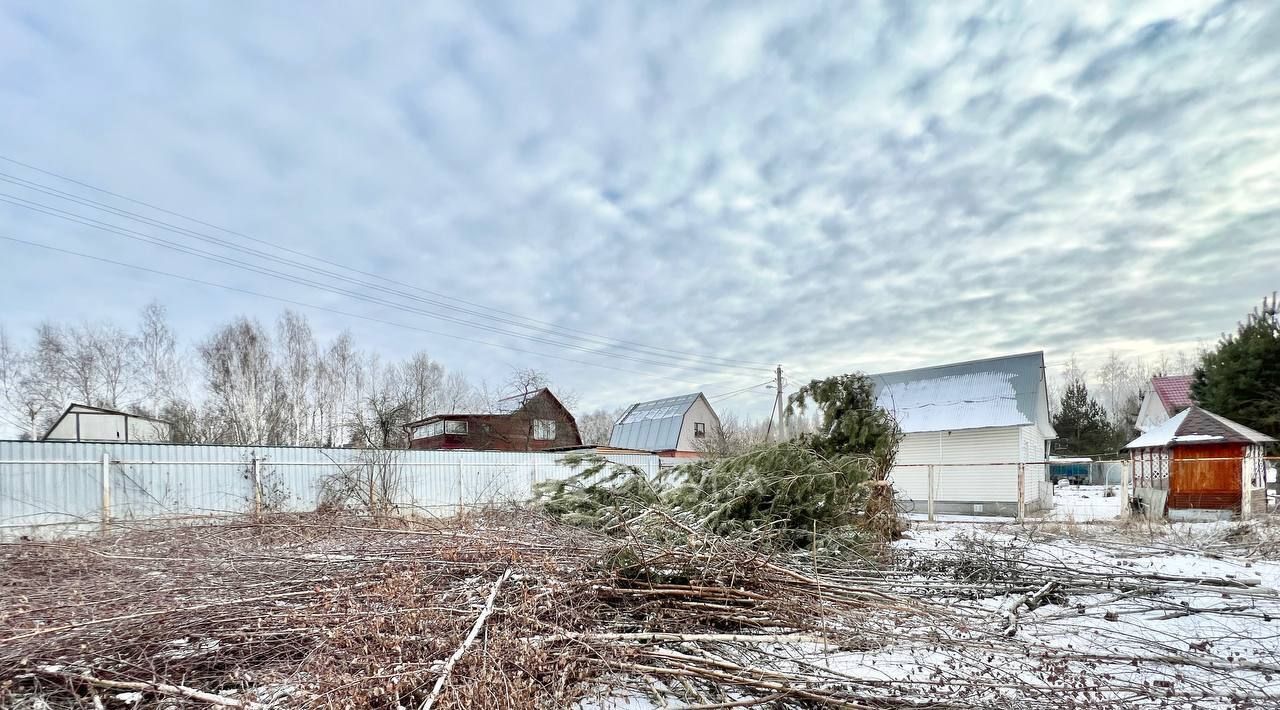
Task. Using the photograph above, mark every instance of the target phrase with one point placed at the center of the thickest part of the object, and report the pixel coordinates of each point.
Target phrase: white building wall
(103, 426)
(699, 411)
(1151, 413)
(1037, 489)
(948, 450)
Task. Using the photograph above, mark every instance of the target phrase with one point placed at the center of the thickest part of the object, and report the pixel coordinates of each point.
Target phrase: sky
(830, 186)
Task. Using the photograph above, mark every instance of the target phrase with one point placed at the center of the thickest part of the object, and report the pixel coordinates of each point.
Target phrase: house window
(427, 430)
(699, 430)
(544, 429)
(455, 427)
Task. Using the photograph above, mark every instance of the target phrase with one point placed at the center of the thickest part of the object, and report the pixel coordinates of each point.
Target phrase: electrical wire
(729, 395)
(542, 325)
(335, 311)
(272, 273)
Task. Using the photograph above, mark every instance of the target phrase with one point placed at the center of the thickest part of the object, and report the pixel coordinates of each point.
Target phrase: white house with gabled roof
(975, 422)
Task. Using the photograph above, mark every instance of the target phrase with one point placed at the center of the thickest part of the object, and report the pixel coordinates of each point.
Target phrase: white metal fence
(50, 486)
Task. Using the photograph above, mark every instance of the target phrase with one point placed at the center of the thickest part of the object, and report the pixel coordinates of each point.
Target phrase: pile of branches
(497, 611)
(515, 609)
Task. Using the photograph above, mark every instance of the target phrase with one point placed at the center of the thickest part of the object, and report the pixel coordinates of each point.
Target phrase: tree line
(245, 383)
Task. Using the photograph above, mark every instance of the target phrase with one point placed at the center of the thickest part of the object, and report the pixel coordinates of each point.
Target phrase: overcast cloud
(833, 186)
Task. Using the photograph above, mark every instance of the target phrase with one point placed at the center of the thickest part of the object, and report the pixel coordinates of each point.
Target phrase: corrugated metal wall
(956, 456)
(61, 483)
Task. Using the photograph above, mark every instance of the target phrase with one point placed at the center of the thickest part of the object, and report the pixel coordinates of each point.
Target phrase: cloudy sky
(832, 186)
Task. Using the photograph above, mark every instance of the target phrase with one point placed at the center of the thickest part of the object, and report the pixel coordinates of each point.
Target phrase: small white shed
(977, 423)
(80, 422)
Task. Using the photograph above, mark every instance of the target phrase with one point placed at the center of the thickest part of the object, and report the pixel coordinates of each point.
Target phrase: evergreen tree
(1240, 379)
(851, 421)
(1082, 425)
(827, 483)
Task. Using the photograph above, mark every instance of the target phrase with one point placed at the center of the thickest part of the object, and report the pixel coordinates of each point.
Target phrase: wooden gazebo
(1198, 464)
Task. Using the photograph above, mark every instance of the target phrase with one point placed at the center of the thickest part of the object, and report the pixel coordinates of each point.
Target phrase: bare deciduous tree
(160, 368)
(19, 395)
(597, 427)
(384, 409)
(297, 368)
(243, 384)
(732, 437)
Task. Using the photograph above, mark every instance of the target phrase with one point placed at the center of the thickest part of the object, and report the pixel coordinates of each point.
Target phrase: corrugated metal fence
(75, 485)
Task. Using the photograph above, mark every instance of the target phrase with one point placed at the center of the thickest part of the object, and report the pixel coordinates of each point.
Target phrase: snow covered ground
(1073, 610)
(1085, 503)
(1070, 504)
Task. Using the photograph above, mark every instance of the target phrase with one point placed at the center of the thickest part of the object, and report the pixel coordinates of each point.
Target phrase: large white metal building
(978, 424)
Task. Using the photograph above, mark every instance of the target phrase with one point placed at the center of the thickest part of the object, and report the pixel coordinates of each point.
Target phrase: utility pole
(782, 431)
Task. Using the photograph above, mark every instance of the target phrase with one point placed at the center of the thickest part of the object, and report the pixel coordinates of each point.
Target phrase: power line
(335, 311)
(272, 273)
(730, 395)
(543, 325)
(168, 244)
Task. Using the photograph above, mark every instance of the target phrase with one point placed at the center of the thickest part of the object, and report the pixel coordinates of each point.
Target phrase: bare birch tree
(160, 368)
(22, 403)
(114, 355)
(242, 381)
(297, 368)
(597, 427)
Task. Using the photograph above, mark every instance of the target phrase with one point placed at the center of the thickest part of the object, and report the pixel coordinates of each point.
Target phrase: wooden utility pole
(782, 422)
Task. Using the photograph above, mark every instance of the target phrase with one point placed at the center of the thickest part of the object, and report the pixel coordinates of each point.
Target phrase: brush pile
(515, 610)
(491, 612)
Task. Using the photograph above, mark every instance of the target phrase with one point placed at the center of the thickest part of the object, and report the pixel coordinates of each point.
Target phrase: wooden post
(106, 491)
(1125, 472)
(931, 485)
(1246, 487)
(257, 487)
(462, 503)
(1022, 491)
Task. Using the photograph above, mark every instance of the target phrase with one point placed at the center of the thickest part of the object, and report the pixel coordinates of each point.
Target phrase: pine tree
(851, 421)
(1240, 379)
(1082, 424)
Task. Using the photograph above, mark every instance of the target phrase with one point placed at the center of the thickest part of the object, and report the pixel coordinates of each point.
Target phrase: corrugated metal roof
(995, 392)
(1198, 426)
(653, 425)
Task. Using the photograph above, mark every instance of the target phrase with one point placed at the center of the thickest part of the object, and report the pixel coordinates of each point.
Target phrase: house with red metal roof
(1162, 398)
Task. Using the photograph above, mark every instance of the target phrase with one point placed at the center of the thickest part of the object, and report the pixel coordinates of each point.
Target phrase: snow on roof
(653, 425)
(1194, 425)
(996, 392)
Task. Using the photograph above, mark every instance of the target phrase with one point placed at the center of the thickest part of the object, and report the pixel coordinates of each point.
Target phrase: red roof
(1174, 391)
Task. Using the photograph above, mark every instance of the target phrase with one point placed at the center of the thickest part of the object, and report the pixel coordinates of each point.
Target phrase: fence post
(106, 491)
(257, 487)
(1022, 490)
(1124, 488)
(931, 485)
(462, 503)
(1246, 488)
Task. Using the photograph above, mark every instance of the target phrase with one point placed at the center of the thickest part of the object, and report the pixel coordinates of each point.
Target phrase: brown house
(535, 421)
(1198, 463)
